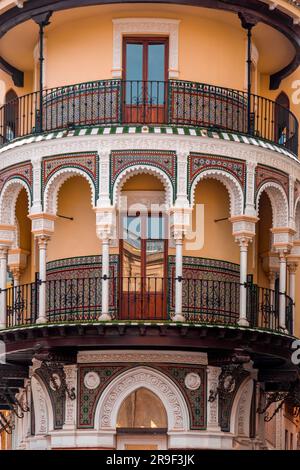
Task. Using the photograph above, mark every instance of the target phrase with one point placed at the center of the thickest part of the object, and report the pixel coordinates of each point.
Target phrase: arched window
(11, 115)
(142, 409)
(282, 124)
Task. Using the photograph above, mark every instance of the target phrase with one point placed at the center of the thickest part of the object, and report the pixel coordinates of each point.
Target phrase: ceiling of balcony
(25, 36)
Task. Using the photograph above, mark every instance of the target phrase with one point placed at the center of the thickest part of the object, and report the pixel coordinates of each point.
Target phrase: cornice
(181, 144)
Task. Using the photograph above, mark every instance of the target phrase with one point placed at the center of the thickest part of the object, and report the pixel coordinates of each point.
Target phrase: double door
(145, 74)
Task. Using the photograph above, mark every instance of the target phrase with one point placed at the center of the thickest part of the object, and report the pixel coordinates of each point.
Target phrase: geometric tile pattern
(266, 174)
(199, 163)
(85, 161)
(21, 171)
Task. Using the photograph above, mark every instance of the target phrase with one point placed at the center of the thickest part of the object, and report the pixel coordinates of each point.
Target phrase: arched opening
(143, 248)
(265, 298)
(210, 273)
(142, 409)
(11, 116)
(282, 118)
(21, 306)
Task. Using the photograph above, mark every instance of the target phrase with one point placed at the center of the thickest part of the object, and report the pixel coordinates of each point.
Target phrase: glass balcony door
(145, 75)
(143, 259)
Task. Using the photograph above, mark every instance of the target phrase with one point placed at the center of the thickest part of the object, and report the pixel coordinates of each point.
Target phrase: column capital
(105, 222)
(243, 226)
(42, 240)
(283, 239)
(292, 266)
(3, 251)
(180, 220)
(243, 241)
(42, 224)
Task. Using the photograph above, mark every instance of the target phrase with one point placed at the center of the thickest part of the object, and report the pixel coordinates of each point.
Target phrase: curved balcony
(171, 103)
(208, 302)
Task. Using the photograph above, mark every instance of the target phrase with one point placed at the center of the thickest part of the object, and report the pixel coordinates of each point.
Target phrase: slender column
(3, 281)
(178, 282)
(243, 242)
(42, 244)
(282, 290)
(292, 267)
(105, 280)
(42, 21)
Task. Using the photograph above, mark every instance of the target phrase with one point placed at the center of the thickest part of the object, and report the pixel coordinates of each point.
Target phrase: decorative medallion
(91, 380)
(192, 381)
(55, 382)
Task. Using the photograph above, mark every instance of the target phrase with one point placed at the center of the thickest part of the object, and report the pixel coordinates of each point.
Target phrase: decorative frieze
(22, 172)
(199, 163)
(86, 162)
(129, 356)
(266, 174)
(163, 160)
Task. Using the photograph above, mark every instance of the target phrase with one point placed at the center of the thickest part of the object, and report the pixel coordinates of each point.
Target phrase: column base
(243, 322)
(104, 317)
(283, 329)
(41, 320)
(178, 317)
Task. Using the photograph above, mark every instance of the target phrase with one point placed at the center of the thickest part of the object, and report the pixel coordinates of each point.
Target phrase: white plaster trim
(232, 185)
(42, 407)
(154, 26)
(115, 393)
(56, 181)
(8, 199)
(128, 172)
(279, 203)
(172, 357)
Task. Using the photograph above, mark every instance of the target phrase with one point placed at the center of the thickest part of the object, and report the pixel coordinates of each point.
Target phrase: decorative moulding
(150, 26)
(88, 357)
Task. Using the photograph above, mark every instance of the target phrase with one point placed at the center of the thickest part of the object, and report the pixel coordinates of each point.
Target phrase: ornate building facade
(149, 225)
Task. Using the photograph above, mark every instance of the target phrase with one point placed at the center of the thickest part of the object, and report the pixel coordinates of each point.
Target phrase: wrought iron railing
(147, 298)
(22, 304)
(175, 102)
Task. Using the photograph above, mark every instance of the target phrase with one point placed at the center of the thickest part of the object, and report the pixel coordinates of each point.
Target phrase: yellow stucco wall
(76, 237)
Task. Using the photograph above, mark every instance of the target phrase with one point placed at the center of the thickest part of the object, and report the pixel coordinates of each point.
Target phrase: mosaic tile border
(170, 130)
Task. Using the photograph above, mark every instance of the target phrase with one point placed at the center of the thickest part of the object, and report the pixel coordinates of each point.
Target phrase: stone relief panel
(193, 391)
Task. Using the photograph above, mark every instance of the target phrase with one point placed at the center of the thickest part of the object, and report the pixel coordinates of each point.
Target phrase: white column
(292, 285)
(282, 290)
(3, 282)
(243, 281)
(42, 244)
(178, 282)
(105, 316)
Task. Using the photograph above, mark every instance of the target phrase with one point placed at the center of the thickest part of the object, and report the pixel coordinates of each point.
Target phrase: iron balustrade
(22, 304)
(263, 309)
(146, 298)
(211, 301)
(174, 102)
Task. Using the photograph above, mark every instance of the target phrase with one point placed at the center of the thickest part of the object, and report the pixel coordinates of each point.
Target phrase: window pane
(156, 73)
(134, 72)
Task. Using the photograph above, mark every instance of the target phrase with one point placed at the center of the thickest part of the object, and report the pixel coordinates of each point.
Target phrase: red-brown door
(145, 74)
(143, 260)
